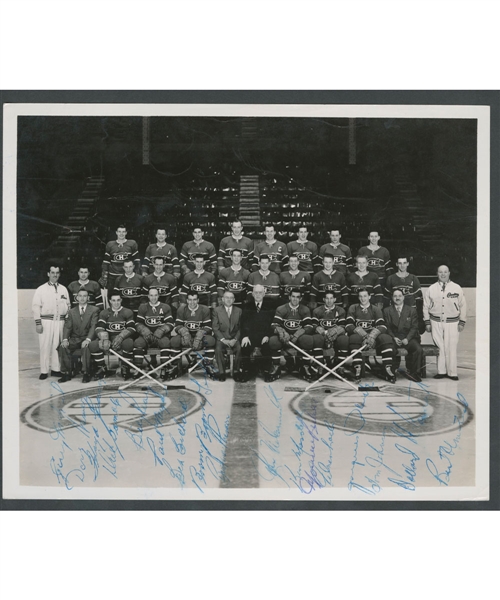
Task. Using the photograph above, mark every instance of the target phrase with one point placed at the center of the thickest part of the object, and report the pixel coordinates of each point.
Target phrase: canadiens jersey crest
(198, 287)
(120, 256)
(375, 262)
(193, 325)
(153, 320)
(235, 286)
(292, 324)
(327, 323)
(130, 291)
(116, 326)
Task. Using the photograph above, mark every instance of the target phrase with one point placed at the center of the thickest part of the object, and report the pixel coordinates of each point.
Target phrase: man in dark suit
(226, 324)
(79, 329)
(402, 325)
(258, 314)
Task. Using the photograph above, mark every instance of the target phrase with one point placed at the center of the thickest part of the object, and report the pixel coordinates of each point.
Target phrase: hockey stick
(160, 366)
(136, 368)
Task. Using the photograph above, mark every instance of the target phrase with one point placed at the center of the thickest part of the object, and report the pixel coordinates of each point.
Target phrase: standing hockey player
(410, 287)
(445, 314)
(92, 288)
(165, 283)
(166, 251)
(274, 249)
(305, 251)
(364, 279)
(232, 242)
(50, 306)
(342, 256)
(234, 279)
(293, 278)
(117, 252)
(129, 287)
(379, 259)
(198, 246)
(200, 281)
(365, 325)
(267, 278)
(329, 280)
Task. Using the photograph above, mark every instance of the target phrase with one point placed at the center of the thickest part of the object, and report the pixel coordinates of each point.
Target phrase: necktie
(258, 307)
(82, 311)
(228, 313)
(399, 311)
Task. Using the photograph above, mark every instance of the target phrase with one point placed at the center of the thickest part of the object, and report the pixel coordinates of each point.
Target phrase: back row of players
(238, 268)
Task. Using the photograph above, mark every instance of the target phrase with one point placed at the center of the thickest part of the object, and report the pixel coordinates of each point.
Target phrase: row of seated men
(301, 256)
(256, 334)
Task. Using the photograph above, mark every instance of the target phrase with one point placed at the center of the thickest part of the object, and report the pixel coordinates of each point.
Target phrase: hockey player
(445, 311)
(305, 251)
(165, 283)
(363, 279)
(201, 282)
(79, 331)
(266, 278)
(234, 279)
(342, 256)
(50, 306)
(129, 286)
(274, 249)
(365, 325)
(193, 329)
(295, 279)
(115, 329)
(117, 252)
(198, 246)
(154, 323)
(166, 251)
(235, 241)
(328, 280)
(292, 323)
(92, 288)
(379, 260)
(329, 321)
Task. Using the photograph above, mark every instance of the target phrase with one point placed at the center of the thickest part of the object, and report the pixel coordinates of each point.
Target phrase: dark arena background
(412, 180)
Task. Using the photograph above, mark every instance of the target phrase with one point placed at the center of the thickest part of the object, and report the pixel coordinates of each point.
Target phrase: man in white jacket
(50, 306)
(444, 316)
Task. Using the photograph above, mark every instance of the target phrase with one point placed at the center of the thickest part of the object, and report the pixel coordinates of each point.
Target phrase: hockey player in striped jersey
(234, 279)
(342, 256)
(129, 286)
(365, 325)
(329, 321)
(154, 323)
(117, 252)
(193, 329)
(295, 279)
(198, 246)
(328, 280)
(274, 249)
(84, 283)
(379, 260)
(305, 251)
(165, 250)
(201, 282)
(266, 278)
(363, 279)
(292, 323)
(165, 283)
(235, 241)
(115, 329)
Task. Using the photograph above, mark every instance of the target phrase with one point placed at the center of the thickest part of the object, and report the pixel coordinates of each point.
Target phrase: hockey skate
(273, 374)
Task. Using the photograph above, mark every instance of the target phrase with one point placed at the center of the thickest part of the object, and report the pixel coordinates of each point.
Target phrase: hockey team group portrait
(247, 302)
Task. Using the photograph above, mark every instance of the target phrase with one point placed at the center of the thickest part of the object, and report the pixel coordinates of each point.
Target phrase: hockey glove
(283, 336)
(103, 281)
(361, 332)
(185, 337)
(333, 333)
(371, 337)
(198, 339)
(297, 334)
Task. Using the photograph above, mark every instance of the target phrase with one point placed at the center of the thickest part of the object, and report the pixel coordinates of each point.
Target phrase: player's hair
(127, 260)
(328, 255)
(159, 257)
(121, 226)
(198, 227)
(400, 256)
(294, 291)
(115, 294)
(54, 264)
(160, 228)
(329, 292)
(83, 267)
(192, 293)
(302, 227)
(269, 225)
(397, 290)
(83, 290)
(236, 220)
(360, 256)
(334, 229)
(362, 289)
(198, 255)
(264, 256)
(154, 288)
(373, 231)
(228, 292)
(237, 250)
(292, 256)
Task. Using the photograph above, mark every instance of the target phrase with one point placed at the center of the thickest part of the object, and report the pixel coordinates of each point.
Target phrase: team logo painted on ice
(394, 411)
(133, 410)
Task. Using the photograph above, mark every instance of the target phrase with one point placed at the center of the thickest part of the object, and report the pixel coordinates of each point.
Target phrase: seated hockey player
(154, 323)
(365, 326)
(292, 323)
(193, 329)
(115, 329)
(329, 322)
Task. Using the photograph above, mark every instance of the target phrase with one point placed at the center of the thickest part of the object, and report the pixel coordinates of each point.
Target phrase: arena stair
(249, 201)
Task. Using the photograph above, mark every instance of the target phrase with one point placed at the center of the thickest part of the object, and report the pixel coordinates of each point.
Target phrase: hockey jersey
(277, 253)
(367, 318)
(228, 244)
(369, 281)
(379, 261)
(203, 283)
(190, 249)
(130, 290)
(342, 256)
(409, 285)
(168, 252)
(194, 321)
(233, 281)
(166, 285)
(270, 281)
(291, 319)
(307, 253)
(328, 317)
(93, 289)
(117, 253)
(300, 280)
(154, 317)
(329, 282)
(115, 322)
